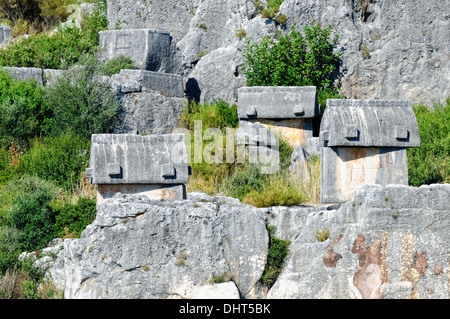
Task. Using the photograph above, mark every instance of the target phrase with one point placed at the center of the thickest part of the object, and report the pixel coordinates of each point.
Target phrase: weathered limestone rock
(226, 290)
(395, 50)
(387, 242)
(149, 113)
(137, 81)
(384, 243)
(5, 34)
(25, 74)
(141, 248)
(216, 76)
(392, 50)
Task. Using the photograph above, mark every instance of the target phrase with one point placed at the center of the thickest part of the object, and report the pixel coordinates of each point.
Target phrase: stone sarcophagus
(149, 49)
(154, 165)
(364, 142)
(288, 110)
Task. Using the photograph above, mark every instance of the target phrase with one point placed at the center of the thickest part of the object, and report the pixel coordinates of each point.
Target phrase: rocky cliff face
(384, 243)
(390, 49)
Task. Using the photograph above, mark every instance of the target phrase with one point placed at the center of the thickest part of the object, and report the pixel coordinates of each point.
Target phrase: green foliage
(22, 108)
(274, 3)
(279, 190)
(218, 279)
(81, 102)
(322, 235)
(278, 251)
(114, 65)
(9, 247)
(430, 163)
(295, 59)
(245, 180)
(25, 206)
(60, 49)
(59, 159)
(218, 114)
(73, 218)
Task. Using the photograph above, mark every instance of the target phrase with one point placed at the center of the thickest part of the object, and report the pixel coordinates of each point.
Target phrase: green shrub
(9, 247)
(114, 65)
(60, 49)
(59, 159)
(25, 206)
(279, 190)
(217, 114)
(11, 152)
(82, 102)
(245, 180)
(295, 60)
(274, 3)
(430, 163)
(278, 251)
(73, 218)
(22, 108)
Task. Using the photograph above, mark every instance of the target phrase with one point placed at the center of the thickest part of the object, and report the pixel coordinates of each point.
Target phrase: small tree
(295, 60)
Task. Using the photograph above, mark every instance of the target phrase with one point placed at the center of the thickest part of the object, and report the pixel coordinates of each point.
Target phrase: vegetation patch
(278, 251)
(295, 59)
(430, 163)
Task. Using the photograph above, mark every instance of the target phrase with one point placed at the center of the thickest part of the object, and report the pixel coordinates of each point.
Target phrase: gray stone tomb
(364, 142)
(289, 110)
(149, 49)
(154, 165)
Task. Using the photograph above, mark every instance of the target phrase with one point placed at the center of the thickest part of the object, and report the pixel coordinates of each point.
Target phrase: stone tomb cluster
(359, 141)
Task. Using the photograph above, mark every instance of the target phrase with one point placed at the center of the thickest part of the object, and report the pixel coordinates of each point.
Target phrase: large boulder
(387, 242)
(140, 248)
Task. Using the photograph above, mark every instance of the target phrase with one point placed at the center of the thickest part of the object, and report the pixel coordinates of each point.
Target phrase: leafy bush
(25, 206)
(295, 60)
(430, 163)
(9, 247)
(217, 114)
(114, 65)
(278, 191)
(278, 251)
(59, 49)
(245, 180)
(82, 101)
(73, 218)
(59, 159)
(33, 15)
(22, 108)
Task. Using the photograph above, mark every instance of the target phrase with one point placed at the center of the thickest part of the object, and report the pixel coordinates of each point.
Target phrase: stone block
(124, 159)
(25, 74)
(370, 123)
(344, 169)
(151, 191)
(5, 34)
(135, 81)
(149, 113)
(149, 49)
(270, 102)
(50, 76)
